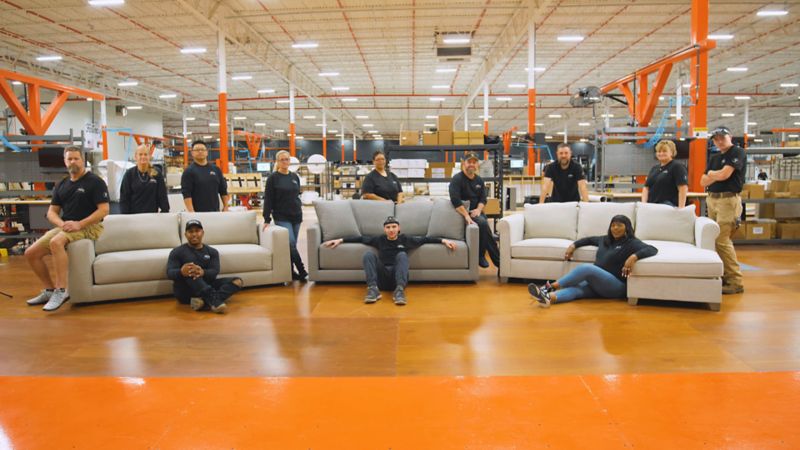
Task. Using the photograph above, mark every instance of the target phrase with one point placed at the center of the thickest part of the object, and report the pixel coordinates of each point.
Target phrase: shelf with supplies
(772, 210)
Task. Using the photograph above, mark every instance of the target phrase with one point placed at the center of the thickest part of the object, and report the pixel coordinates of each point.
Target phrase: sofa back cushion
(370, 215)
(224, 227)
(551, 220)
(445, 221)
(665, 223)
(336, 219)
(594, 218)
(414, 216)
(124, 232)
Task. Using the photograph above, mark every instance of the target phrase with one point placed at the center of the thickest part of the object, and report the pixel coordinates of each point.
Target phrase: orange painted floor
(669, 411)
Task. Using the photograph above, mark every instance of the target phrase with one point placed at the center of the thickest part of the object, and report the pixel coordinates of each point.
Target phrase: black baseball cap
(720, 131)
(470, 155)
(390, 219)
(194, 223)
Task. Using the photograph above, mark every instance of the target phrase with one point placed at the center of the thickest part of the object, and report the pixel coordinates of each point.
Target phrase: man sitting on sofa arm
(193, 268)
(389, 269)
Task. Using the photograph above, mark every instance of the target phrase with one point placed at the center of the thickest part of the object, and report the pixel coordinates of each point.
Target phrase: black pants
(486, 242)
(213, 294)
(387, 278)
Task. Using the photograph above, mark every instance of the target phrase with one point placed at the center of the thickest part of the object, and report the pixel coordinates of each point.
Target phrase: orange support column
(325, 146)
(223, 131)
(699, 90)
(292, 143)
(185, 151)
(531, 130)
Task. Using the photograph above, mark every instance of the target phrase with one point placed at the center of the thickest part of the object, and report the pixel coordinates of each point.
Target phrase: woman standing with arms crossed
(282, 202)
(143, 188)
(668, 181)
(380, 184)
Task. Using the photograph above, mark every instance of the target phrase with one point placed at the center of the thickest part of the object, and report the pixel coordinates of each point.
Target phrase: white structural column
(324, 134)
(746, 120)
(486, 108)
(292, 132)
(466, 118)
(355, 157)
(104, 126)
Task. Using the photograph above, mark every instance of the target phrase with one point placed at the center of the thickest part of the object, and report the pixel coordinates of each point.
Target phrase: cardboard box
(475, 137)
(429, 138)
(457, 141)
(445, 138)
(409, 138)
(444, 123)
(794, 188)
(760, 229)
(741, 233)
(778, 186)
(753, 191)
(460, 135)
(788, 230)
(439, 170)
(492, 207)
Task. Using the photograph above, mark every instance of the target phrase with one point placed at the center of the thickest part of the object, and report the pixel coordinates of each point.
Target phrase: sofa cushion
(594, 218)
(437, 256)
(122, 232)
(336, 219)
(238, 258)
(222, 228)
(665, 223)
(415, 216)
(132, 265)
(540, 248)
(445, 221)
(371, 214)
(551, 220)
(343, 257)
(679, 260)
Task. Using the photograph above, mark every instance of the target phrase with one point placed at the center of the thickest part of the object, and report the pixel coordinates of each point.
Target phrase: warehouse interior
(468, 363)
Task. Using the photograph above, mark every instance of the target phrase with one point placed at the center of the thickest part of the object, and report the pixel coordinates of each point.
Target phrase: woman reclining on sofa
(617, 252)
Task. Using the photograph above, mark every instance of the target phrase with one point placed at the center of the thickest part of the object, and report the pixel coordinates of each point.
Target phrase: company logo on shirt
(400, 246)
(206, 256)
(212, 173)
(478, 186)
(105, 194)
(735, 160)
(569, 176)
(81, 190)
(295, 182)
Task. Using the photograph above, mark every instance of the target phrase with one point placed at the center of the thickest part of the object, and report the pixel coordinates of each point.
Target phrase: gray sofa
(420, 217)
(129, 260)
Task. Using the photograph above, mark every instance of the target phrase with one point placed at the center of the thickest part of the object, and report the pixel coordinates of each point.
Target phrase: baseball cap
(719, 131)
(194, 223)
(470, 155)
(390, 219)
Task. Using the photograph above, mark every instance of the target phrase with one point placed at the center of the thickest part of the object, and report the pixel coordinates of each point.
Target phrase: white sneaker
(196, 303)
(219, 309)
(40, 299)
(56, 300)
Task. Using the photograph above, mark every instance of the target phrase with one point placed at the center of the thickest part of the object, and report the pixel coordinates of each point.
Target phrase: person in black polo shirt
(388, 270)
(563, 179)
(79, 204)
(668, 181)
(468, 185)
(381, 184)
(193, 268)
(202, 183)
(143, 188)
(282, 202)
(724, 180)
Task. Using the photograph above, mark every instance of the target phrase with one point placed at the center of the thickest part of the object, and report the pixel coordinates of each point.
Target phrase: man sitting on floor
(388, 270)
(193, 267)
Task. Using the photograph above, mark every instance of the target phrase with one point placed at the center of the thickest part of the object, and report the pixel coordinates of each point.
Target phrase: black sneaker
(302, 276)
(373, 294)
(539, 295)
(399, 296)
(483, 262)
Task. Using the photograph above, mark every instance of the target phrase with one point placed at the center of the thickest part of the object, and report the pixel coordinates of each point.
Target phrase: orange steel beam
(649, 107)
(223, 132)
(699, 84)
(626, 90)
(50, 85)
(786, 130)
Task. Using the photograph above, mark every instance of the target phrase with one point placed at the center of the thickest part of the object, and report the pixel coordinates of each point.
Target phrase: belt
(722, 194)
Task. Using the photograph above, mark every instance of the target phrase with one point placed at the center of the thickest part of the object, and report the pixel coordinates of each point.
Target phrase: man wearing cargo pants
(724, 180)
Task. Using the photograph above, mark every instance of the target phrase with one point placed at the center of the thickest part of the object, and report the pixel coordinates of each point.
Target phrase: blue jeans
(387, 278)
(589, 281)
(294, 230)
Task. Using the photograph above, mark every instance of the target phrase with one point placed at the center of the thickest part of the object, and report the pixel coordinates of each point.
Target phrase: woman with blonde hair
(668, 181)
(143, 188)
(282, 203)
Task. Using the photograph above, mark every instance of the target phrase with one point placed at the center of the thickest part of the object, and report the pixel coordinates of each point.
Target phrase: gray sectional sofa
(420, 217)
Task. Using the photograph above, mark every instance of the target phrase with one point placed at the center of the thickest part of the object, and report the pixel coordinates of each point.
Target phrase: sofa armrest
(313, 241)
(276, 239)
(511, 230)
(81, 260)
(706, 232)
(472, 238)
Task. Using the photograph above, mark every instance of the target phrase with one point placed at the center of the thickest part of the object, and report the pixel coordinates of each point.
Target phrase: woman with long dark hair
(381, 184)
(617, 252)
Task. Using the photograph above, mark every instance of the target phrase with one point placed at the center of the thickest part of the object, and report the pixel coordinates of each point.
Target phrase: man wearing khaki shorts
(724, 180)
(80, 202)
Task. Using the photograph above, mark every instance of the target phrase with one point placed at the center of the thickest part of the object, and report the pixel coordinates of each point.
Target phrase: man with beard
(79, 204)
(564, 179)
(467, 185)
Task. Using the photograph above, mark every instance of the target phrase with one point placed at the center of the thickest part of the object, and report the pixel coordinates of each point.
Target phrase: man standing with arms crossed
(201, 182)
(564, 179)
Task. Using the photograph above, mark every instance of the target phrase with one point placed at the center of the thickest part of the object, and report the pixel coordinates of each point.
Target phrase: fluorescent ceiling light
(795, 114)
(367, 125)
(213, 124)
(431, 117)
(758, 140)
(309, 117)
(197, 105)
(446, 70)
(537, 124)
(584, 124)
(441, 86)
(283, 101)
(241, 77)
(536, 69)
(189, 119)
(547, 136)
(362, 117)
(771, 12)
(373, 132)
(436, 99)
(736, 69)
(305, 45)
(320, 125)
(503, 99)
(476, 124)
(554, 116)
(584, 140)
(661, 98)
(429, 125)
(742, 97)
(17, 83)
(208, 136)
(752, 123)
(193, 50)
(260, 124)
(49, 58)
(106, 2)
(720, 37)
(350, 99)
(280, 131)
(127, 83)
(794, 135)
(340, 88)
(456, 39)
(687, 85)
(265, 91)
(240, 118)
(299, 137)
(560, 133)
(570, 38)
(728, 115)
(797, 123)
(167, 95)
(516, 86)
(521, 133)
(188, 133)
(133, 107)
(329, 74)
(89, 99)
(610, 116)
(484, 117)
(789, 85)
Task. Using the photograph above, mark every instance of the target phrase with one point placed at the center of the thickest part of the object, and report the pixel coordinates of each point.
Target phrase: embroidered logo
(80, 190)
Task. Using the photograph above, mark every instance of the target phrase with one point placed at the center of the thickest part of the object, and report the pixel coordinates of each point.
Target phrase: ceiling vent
(453, 47)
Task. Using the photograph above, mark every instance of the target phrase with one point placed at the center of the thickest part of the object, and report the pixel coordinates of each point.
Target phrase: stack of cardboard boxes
(775, 220)
(443, 136)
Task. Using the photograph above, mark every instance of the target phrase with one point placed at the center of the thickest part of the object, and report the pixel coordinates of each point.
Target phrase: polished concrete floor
(462, 366)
